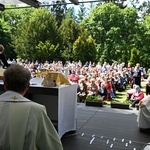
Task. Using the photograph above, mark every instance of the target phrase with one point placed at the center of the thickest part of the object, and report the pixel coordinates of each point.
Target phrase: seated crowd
(102, 80)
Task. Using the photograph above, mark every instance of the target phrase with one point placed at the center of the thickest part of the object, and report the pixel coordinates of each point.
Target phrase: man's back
(26, 126)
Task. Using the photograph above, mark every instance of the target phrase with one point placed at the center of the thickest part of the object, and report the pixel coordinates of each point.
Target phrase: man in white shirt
(24, 125)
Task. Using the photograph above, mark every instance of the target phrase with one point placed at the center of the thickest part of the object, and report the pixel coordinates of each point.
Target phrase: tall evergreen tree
(84, 49)
(82, 12)
(69, 31)
(59, 9)
(33, 32)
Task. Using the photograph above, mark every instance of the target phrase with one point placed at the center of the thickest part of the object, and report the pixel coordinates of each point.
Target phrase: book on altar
(55, 79)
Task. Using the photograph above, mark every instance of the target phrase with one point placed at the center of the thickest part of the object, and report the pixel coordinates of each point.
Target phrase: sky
(5, 2)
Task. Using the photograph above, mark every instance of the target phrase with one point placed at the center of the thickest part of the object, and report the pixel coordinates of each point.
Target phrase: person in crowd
(143, 118)
(82, 91)
(74, 77)
(148, 86)
(145, 75)
(113, 90)
(121, 82)
(137, 75)
(24, 124)
(108, 86)
(129, 66)
(116, 82)
(2, 57)
(92, 88)
(137, 96)
(130, 92)
(102, 91)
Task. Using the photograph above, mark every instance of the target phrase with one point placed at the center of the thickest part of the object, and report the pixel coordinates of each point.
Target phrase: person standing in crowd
(137, 75)
(24, 124)
(2, 57)
(148, 86)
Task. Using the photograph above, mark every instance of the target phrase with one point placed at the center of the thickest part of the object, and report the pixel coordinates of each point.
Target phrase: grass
(93, 98)
(121, 96)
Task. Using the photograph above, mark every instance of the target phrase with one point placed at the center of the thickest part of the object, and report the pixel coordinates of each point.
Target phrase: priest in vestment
(144, 114)
(24, 125)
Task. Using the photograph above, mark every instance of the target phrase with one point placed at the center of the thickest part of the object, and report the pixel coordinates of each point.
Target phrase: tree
(70, 14)
(5, 38)
(144, 8)
(84, 49)
(12, 18)
(59, 9)
(45, 49)
(143, 41)
(33, 32)
(69, 32)
(135, 56)
(120, 3)
(82, 12)
(113, 30)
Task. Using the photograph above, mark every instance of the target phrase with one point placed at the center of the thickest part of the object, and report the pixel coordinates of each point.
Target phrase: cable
(145, 145)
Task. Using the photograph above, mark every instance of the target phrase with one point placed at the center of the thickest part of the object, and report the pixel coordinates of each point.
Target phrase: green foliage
(113, 30)
(122, 101)
(11, 19)
(82, 12)
(45, 50)
(70, 14)
(69, 32)
(144, 42)
(93, 98)
(5, 37)
(35, 30)
(59, 10)
(135, 56)
(84, 49)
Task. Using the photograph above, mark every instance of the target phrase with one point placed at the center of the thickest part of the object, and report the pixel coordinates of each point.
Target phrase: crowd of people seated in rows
(105, 82)
(101, 80)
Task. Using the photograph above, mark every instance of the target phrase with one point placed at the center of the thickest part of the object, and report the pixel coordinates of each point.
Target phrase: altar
(60, 102)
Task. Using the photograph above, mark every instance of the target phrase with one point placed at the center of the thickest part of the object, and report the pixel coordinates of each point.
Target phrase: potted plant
(93, 101)
(120, 104)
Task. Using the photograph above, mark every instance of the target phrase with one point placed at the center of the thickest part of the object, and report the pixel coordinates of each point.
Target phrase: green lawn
(121, 96)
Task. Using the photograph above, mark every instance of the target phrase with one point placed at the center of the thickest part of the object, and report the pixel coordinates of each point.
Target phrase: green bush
(93, 98)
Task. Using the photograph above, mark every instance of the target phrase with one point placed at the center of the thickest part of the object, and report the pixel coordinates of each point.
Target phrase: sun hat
(137, 87)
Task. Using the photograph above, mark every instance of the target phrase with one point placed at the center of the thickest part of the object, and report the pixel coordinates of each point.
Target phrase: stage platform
(105, 128)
